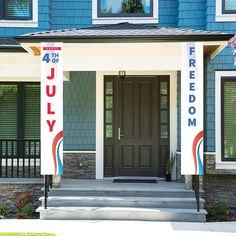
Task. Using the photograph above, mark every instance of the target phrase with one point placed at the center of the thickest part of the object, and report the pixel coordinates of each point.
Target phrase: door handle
(119, 134)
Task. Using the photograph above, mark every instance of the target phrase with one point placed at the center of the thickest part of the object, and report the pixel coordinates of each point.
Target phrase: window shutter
(18, 9)
(32, 112)
(8, 111)
(229, 120)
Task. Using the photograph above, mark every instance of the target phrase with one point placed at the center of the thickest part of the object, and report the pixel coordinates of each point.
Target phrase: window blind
(8, 111)
(18, 9)
(230, 120)
(32, 112)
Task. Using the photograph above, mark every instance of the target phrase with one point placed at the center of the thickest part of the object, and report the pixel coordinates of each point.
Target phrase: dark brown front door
(133, 126)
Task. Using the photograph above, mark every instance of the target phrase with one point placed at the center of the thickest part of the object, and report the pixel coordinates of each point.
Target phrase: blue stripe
(200, 164)
(59, 163)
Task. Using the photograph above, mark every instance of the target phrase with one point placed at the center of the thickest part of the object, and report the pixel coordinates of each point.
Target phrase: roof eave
(12, 49)
(124, 39)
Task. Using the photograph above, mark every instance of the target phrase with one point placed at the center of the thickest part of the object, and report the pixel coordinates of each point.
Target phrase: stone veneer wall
(179, 177)
(8, 191)
(218, 185)
(79, 165)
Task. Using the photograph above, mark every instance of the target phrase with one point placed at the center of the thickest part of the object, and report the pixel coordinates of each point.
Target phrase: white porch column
(192, 109)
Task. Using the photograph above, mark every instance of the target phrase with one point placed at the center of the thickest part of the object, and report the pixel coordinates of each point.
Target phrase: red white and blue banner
(51, 109)
(192, 109)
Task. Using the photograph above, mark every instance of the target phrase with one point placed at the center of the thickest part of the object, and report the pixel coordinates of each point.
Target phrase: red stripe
(194, 148)
(54, 151)
(52, 48)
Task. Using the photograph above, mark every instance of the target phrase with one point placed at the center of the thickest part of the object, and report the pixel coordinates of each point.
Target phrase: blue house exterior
(81, 143)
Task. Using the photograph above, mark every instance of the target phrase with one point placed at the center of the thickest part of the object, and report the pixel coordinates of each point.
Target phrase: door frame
(100, 113)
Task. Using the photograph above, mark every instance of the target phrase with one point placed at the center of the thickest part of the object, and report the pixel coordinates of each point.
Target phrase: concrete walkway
(119, 228)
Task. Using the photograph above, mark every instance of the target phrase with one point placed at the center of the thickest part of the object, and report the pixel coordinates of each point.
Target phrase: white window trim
(23, 23)
(133, 20)
(219, 163)
(223, 17)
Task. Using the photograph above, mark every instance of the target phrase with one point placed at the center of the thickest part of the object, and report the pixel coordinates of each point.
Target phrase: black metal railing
(196, 188)
(19, 158)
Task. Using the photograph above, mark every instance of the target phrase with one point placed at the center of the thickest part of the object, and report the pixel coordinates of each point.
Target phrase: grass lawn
(26, 234)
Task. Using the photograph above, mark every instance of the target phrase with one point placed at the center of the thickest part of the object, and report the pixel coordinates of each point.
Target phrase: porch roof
(8, 44)
(125, 32)
(130, 47)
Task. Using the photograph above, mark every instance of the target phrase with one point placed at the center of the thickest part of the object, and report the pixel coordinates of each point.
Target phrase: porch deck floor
(108, 185)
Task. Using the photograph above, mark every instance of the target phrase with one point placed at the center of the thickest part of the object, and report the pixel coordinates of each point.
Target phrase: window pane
(164, 131)
(163, 88)
(164, 117)
(229, 120)
(163, 102)
(230, 5)
(32, 112)
(8, 111)
(109, 102)
(109, 88)
(108, 116)
(108, 131)
(18, 8)
(125, 6)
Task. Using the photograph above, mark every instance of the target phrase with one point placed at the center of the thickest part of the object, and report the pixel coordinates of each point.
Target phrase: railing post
(195, 182)
(45, 191)
(50, 181)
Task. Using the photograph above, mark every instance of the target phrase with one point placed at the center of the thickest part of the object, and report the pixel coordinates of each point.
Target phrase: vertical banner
(192, 109)
(51, 109)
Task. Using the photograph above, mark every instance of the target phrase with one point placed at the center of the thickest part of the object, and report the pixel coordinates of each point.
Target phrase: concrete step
(175, 193)
(105, 201)
(121, 213)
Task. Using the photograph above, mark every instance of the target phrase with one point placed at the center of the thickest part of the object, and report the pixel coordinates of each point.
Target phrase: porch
(106, 200)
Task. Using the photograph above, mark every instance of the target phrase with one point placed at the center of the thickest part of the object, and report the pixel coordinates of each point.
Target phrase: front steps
(151, 202)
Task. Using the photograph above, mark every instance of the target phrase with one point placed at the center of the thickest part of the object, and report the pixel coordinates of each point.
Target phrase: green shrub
(221, 208)
(27, 210)
(4, 210)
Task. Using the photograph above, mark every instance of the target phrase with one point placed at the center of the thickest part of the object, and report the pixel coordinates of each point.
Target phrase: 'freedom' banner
(192, 109)
(51, 109)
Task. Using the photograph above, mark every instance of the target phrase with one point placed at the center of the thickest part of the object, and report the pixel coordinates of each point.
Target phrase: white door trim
(100, 113)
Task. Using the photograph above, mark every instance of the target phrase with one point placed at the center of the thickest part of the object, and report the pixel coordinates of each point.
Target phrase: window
(228, 121)
(225, 10)
(19, 111)
(16, 10)
(228, 6)
(118, 8)
(132, 11)
(18, 13)
(225, 123)
(109, 109)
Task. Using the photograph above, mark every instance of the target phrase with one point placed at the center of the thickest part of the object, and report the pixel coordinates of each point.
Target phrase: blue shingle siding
(224, 61)
(80, 111)
(211, 23)
(71, 14)
(168, 13)
(191, 14)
